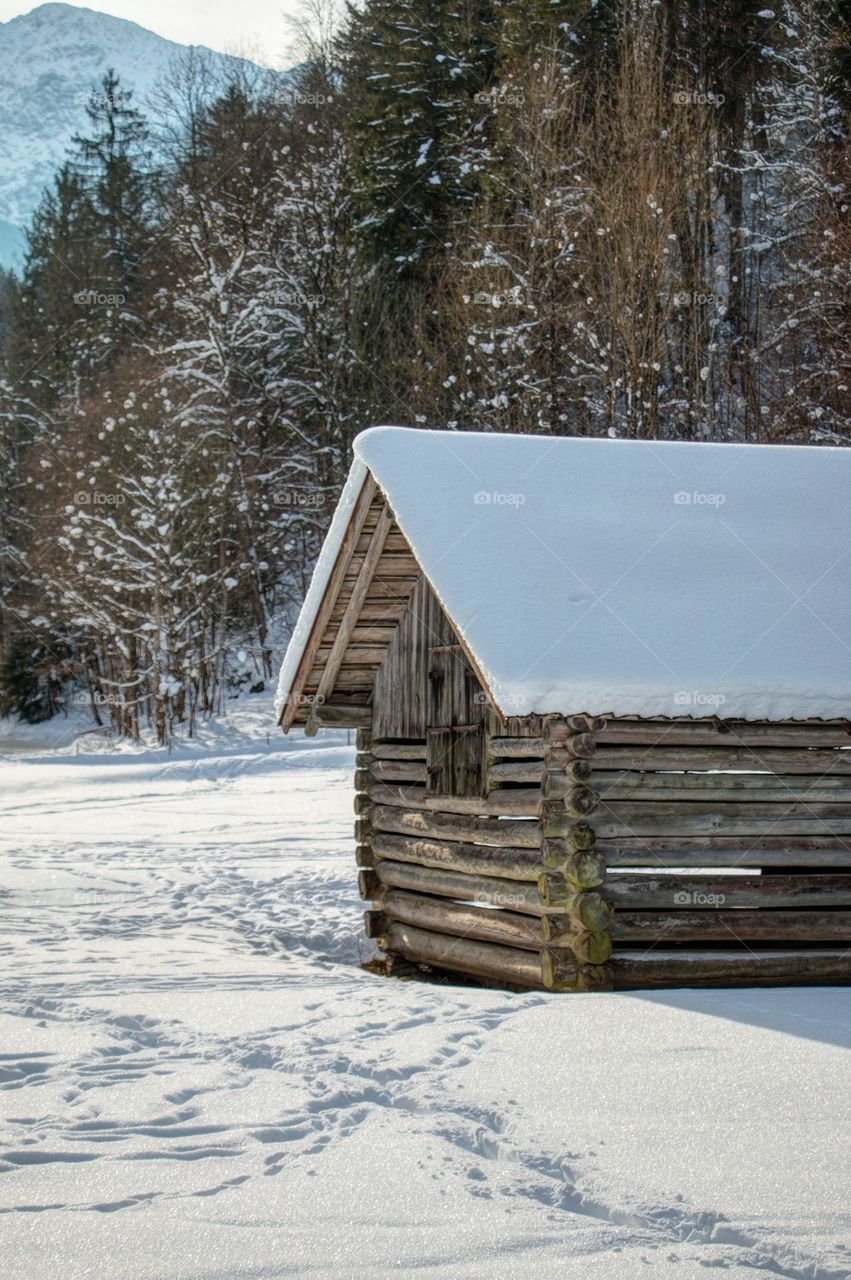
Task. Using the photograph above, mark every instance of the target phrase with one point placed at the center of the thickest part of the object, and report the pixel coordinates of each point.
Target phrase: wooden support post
(574, 869)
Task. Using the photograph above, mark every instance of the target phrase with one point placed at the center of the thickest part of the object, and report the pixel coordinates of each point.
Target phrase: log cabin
(601, 692)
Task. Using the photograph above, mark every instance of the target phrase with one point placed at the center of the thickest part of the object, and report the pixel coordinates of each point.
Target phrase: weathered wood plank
(335, 716)
(736, 732)
(520, 803)
(396, 540)
(646, 892)
(506, 862)
(724, 851)
(375, 613)
(459, 920)
(349, 680)
(461, 827)
(517, 748)
(362, 655)
(516, 895)
(502, 772)
(399, 750)
(767, 760)
(396, 564)
(463, 955)
(719, 788)
(622, 820)
(399, 771)
(384, 592)
(746, 968)
(723, 925)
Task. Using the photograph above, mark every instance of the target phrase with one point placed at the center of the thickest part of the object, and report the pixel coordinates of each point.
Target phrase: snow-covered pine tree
(417, 75)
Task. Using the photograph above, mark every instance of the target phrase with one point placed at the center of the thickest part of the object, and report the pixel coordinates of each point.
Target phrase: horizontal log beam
(399, 750)
(719, 788)
(508, 928)
(516, 895)
(721, 925)
(621, 820)
(519, 804)
(464, 955)
(517, 748)
(767, 760)
(746, 968)
(735, 732)
(724, 851)
(465, 828)
(501, 772)
(504, 862)
(395, 771)
(647, 892)
(333, 716)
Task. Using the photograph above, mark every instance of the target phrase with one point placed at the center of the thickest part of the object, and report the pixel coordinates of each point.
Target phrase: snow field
(200, 1083)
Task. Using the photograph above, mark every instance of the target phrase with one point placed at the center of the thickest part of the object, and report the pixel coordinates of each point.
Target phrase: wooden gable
(370, 646)
(367, 593)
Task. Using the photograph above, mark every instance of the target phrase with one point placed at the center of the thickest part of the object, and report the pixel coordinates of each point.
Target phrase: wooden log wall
(454, 881)
(709, 840)
(621, 854)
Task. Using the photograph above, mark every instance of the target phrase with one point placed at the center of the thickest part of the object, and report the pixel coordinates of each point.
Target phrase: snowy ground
(199, 1081)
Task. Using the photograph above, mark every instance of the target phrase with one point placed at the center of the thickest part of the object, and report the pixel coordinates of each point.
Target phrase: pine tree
(418, 74)
(113, 167)
(58, 336)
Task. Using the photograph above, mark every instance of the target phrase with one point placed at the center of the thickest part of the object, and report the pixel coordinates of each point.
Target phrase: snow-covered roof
(625, 577)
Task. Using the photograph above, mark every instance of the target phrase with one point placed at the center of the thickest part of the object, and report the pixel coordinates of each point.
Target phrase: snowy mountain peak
(50, 60)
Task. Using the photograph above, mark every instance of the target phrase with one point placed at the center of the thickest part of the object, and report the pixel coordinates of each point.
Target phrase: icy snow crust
(634, 578)
(198, 1082)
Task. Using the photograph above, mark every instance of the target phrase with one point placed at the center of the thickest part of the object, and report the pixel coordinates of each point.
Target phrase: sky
(252, 27)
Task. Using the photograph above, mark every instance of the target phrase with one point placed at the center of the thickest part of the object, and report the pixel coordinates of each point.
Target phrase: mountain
(50, 60)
